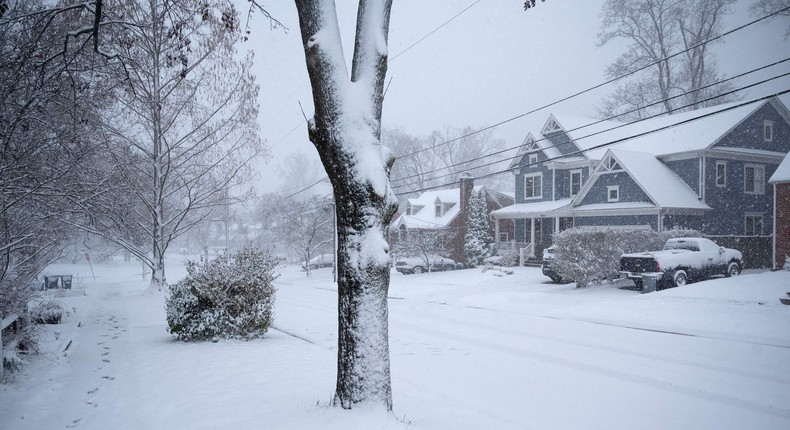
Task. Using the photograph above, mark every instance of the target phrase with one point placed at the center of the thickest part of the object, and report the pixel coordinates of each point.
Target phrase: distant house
(705, 169)
(447, 210)
(781, 184)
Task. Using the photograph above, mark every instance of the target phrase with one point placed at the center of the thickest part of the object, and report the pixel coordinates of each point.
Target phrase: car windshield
(691, 246)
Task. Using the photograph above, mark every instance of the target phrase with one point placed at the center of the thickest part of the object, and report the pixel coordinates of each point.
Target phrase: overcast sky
(493, 62)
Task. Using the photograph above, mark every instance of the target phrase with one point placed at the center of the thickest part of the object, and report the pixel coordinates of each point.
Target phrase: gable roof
(594, 137)
(664, 188)
(782, 173)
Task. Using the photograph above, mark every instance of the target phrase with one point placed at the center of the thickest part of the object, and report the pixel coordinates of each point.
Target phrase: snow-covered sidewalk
(469, 350)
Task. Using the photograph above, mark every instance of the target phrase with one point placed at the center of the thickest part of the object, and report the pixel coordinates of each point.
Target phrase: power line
(616, 141)
(610, 118)
(615, 79)
(434, 31)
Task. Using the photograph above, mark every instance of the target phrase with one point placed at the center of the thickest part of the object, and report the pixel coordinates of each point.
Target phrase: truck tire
(733, 269)
(638, 284)
(680, 278)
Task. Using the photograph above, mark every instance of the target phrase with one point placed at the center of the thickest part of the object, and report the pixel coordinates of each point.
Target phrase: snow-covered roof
(658, 181)
(536, 208)
(782, 173)
(693, 135)
(596, 138)
(424, 208)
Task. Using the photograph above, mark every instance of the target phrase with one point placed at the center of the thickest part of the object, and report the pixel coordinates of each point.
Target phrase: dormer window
(768, 131)
(409, 209)
(438, 208)
(532, 159)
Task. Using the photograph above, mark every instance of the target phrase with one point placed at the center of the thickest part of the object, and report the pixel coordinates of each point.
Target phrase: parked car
(681, 261)
(417, 265)
(547, 268)
(322, 260)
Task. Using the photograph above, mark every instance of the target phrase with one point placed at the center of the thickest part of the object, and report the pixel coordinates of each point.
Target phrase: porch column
(532, 237)
(556, 227)
(496, 233)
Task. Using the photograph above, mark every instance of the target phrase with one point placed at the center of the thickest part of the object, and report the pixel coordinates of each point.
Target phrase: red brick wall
(782, 239)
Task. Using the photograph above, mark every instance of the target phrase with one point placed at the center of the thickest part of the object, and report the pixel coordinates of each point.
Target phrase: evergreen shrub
(586, 256)
(230, 297)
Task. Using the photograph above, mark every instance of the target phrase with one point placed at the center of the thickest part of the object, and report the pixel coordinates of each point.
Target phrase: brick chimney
(467, 185)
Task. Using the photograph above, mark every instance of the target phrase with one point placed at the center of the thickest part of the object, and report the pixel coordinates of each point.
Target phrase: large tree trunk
(346, 131)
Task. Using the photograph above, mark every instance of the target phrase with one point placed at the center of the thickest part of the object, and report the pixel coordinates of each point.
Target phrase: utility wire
(657, 102)
(434, 31)
(615, 79)
(566, 155)
(614, 142)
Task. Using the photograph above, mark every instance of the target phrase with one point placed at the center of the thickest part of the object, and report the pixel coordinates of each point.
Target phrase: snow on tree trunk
(346, 131)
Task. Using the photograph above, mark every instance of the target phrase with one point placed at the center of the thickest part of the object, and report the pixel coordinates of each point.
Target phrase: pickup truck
(683, 260)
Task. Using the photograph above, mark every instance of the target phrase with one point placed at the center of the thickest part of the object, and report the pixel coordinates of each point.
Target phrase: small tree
(428, 245)
(478, 240)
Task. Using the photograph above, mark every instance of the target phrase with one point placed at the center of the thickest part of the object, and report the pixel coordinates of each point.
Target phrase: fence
(8, 328)
(757, 250)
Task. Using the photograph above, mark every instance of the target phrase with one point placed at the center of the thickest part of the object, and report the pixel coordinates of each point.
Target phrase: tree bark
(346, 132)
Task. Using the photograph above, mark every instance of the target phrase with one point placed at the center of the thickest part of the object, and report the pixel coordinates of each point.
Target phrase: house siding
(562, 181)
(540, 168)
(731, 203)
(688, 171)
(630, 191)
(749, 133)
(563, 143)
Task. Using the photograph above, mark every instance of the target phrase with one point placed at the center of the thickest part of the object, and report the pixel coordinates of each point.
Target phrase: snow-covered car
(682, 260)
(322, 260)
(430, 263)
(547, 268)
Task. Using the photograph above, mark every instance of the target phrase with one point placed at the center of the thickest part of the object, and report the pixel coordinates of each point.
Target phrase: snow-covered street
(469, 350)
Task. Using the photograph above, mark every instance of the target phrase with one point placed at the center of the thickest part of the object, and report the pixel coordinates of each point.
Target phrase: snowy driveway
(469, 350)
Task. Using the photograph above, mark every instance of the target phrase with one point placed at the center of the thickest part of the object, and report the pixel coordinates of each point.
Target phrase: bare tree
(346, 131)
(427, 245)
(656, 30)
(416, 163)
(306, 226)
(766, 7)
(45, 143)
(183, 130)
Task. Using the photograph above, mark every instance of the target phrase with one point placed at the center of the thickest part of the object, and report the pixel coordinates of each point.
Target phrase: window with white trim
(576, 182)
(533, 186)
(532, 159)
(438, 209)
(754, 179)
(753, 224)
(768, 131)
(613, 193)
(721, 173)
(503, 237)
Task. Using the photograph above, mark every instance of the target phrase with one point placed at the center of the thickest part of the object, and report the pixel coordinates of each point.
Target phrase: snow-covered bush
(229, 297)
(594, 255)
(48, 312)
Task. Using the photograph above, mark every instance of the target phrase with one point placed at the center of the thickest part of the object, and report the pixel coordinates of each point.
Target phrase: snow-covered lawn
(469, 350)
